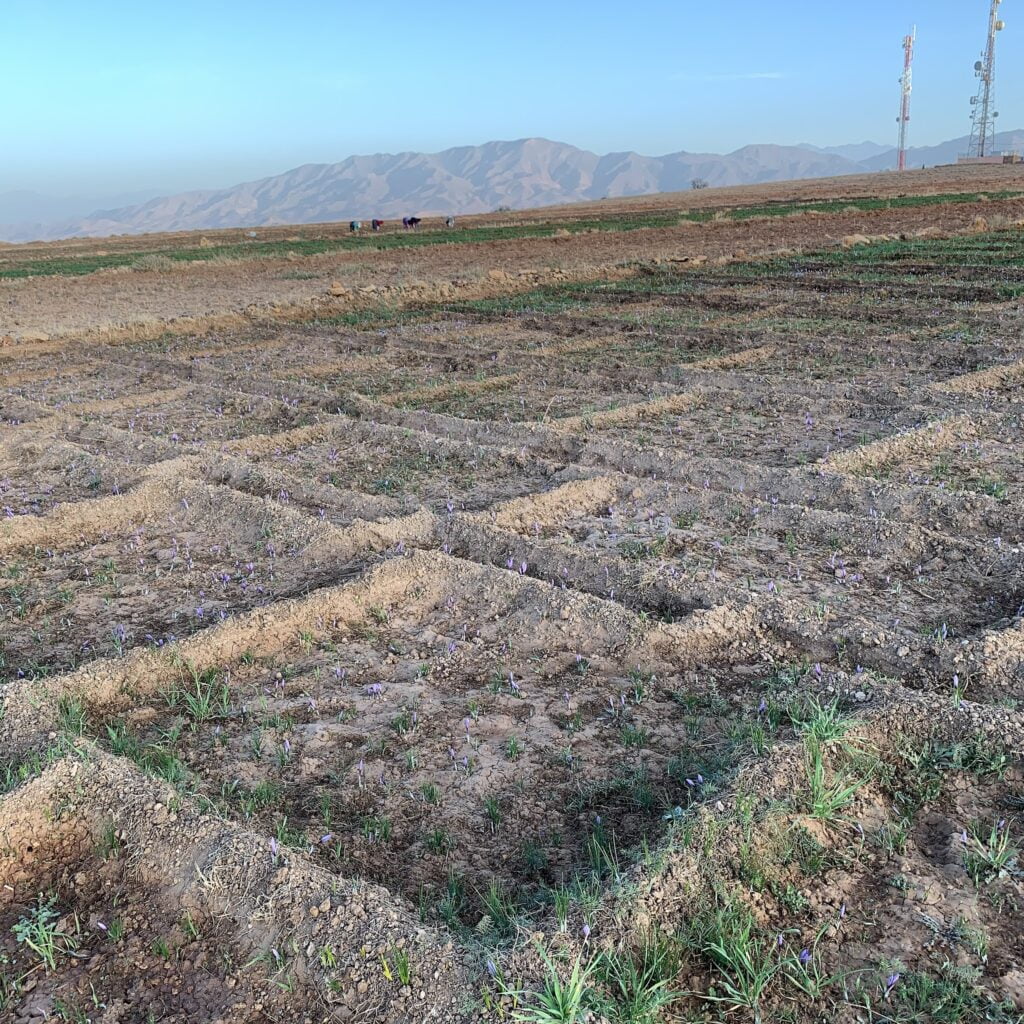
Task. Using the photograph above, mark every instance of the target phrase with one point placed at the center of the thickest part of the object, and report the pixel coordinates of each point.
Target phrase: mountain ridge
(522, 173)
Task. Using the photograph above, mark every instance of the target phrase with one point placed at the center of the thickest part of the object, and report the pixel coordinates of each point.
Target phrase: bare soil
(655, 604)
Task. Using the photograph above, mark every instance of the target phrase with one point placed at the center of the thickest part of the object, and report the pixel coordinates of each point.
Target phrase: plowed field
(651, 640)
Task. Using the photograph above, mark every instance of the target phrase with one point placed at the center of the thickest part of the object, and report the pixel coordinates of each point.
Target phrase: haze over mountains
(464, 180)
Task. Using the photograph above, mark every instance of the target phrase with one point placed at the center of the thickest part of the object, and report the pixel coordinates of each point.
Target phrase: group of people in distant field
(408, 223)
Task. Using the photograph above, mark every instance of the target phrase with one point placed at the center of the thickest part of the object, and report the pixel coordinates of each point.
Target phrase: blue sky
(105, 97)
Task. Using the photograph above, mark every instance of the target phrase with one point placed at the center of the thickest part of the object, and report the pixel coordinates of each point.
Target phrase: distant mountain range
(468, 179)
(857, 152)
(944, 153)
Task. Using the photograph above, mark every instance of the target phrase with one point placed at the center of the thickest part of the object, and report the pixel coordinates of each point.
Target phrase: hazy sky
(104, 97)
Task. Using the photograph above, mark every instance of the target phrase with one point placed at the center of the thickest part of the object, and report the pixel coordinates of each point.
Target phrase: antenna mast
(983, 117)
(906, 85)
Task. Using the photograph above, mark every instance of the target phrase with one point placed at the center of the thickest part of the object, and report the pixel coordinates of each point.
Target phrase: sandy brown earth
(638, 602)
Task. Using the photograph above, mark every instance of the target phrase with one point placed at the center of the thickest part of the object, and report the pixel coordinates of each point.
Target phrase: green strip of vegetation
(377, 316)
(1001, 249)
(841, 205)
(87, 264)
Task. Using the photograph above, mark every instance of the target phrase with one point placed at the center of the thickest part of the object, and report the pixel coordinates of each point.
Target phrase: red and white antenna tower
(906, 86)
